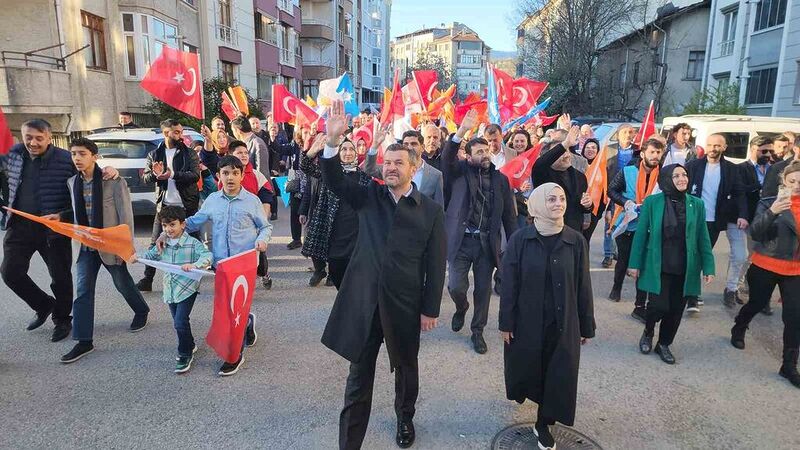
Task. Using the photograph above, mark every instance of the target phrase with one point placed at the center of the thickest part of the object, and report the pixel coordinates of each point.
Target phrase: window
(723, 80)
(266, 28)
(761, 86)
(94, 37)
(738, 143)
(190, 2)
(224, 12)
(469, 59)
(636, 73)
(311, 88)
(264, 82)
(797, 86)
(728, 32)
(189, 48)
(694, 70)
(769, 13)
(228, 72)
(145, 37)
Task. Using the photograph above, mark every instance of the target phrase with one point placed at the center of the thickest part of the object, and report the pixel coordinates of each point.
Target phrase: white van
(738, 130)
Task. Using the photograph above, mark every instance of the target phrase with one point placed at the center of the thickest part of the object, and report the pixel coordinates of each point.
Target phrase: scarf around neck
(645, 186)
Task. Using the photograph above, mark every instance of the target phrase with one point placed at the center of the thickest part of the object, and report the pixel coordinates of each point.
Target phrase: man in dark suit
(392, 288)
(480, 203)
(772, 180)
(719, 183)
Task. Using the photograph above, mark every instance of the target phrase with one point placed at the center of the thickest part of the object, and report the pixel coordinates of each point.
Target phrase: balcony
(726, 48)
(285, 5)
(228, 35)
(318, 69)
(35, 92)
(317, 29)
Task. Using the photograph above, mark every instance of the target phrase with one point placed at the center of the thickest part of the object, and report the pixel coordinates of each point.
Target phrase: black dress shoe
(640, 313)
(273, 217)
(316, 277)
(737, 336)
(645, 343)
(405, 434)
(80, 350)
(38, 320)
(458, 321)
(139, 321)
(61, 331)
(145, 285)
(615, 295)
(293, 245)
(665, 354)
(478, 343)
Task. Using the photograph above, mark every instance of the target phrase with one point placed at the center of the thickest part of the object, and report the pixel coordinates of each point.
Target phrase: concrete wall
(787, 101)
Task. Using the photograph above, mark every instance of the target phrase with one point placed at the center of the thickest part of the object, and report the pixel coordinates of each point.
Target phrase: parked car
(738, 130)
(127, 152)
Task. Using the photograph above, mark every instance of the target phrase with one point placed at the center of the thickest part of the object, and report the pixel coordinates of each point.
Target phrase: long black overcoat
(397, 269)
(521, 312)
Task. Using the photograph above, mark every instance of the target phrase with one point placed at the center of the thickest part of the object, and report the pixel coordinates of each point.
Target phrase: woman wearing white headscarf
(546, 311)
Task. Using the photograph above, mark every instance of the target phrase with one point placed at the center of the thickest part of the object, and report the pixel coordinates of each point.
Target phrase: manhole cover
(521, 436)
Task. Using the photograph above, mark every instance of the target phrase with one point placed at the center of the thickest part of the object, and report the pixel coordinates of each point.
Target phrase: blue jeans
(88, 266)
(180, 319)
(608, 241)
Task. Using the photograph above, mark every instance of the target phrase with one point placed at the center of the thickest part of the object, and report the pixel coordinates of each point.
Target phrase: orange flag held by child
(116, 240)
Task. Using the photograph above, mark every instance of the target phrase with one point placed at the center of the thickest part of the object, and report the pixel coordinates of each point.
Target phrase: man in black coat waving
(480, 203)
(392, 288)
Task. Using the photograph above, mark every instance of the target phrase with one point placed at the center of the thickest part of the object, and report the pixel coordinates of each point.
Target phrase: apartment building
(327, 41)
(461, 49)
(78, 63)
(756, 44)
(374, 73)
(278, 58)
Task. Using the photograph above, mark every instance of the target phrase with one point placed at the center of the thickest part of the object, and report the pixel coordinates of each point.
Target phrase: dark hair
(679, 126)
(233, 145)
(242, 124)
(593, 141)
(413, 134)
(492, 129)
(782, 138)
(86, 143)
(40, 125)
(169, 123)
(124, 113)
(198, 142)
(524, 133)
(169, 213)
(230, 161)
(412, 155)
(473, 141)
(797, 141)
(758, 141)
(655, 143)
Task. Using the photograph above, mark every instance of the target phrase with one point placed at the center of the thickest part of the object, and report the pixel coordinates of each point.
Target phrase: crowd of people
(389, 225)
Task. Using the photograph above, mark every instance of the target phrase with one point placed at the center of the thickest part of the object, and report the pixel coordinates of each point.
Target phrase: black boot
(737, 335)
(789, 367)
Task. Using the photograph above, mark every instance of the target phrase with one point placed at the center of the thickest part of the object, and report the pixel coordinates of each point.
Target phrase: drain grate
(521, 436)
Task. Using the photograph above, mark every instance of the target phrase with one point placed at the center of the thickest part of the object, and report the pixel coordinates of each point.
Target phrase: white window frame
(146, 43)
(728, 39)
(274, 26)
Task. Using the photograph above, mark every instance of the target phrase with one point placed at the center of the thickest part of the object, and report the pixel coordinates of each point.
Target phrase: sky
(489, 18)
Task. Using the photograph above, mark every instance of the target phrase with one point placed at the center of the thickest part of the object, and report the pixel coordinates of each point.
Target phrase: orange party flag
(116, 240)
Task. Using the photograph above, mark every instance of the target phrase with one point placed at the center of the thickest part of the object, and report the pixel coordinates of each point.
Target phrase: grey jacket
(432, 180)
(117, 210)
(775, 235)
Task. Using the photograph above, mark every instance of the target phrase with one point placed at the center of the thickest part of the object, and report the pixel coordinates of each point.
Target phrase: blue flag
(285, 196)
(536, 109)
(491, 97)
(348, 94)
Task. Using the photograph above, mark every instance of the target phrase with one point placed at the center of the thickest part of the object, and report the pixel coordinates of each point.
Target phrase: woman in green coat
(670, 249)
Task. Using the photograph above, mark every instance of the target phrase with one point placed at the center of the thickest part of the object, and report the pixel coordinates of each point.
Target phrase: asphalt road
(288, 395)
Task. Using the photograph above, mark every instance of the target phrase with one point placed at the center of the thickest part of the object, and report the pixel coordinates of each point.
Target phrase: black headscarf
(583, 153)
(675, 202)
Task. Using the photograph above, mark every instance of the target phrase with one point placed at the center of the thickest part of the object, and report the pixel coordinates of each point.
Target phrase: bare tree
(561, 39)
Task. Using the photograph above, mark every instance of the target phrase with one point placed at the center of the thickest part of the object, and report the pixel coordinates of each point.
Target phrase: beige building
(76, 64)
(462, 50)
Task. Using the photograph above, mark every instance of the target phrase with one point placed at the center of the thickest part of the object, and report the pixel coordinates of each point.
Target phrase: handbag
(292, 182)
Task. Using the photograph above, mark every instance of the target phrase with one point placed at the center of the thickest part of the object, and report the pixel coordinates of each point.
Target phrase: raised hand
(378, 134)
(336, 124)
(470, 122)
(564, 122)
(572, 137)
(316, 146)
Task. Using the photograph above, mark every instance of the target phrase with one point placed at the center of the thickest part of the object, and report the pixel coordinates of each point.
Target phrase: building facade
(374, 71)
(459, 48)
(278, 58)
(661, 62)
(757, 45)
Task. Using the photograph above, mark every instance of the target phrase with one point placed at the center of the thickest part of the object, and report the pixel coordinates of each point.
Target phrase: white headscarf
(537, 207)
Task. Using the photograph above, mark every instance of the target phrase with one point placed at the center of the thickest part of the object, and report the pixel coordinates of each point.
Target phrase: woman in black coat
(544, 329)
(333, 228)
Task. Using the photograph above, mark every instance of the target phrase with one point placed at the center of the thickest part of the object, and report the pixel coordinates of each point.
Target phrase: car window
(737, 144)
(601, 131)
(124, 149)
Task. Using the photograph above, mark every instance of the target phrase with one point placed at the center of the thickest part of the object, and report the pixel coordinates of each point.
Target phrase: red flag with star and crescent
(234, 284)
(519, 169)
(174, 78)
(6, 138)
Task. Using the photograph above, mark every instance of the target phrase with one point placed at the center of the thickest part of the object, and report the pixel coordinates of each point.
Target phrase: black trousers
(762, 282)
(150, 272)
(624, 243)
(551, 338)
(24, 238)
(294, 218)
(336, 269)
(273, 205)
(354, 417)
(666, 307)
(587, 233)
(319, 264)
(263, 265)
(472, 253)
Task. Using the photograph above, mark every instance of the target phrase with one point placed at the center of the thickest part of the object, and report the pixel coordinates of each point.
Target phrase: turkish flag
(505, 87)
(6, 139)
(288, 108)
(543, 120)
(412, 98)
(426, 81)
(174, 78)
(395, 108)
(526, 94)
(364, 132)
(234, 285)
(519, 169)
(648, 127)
(228, 107)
